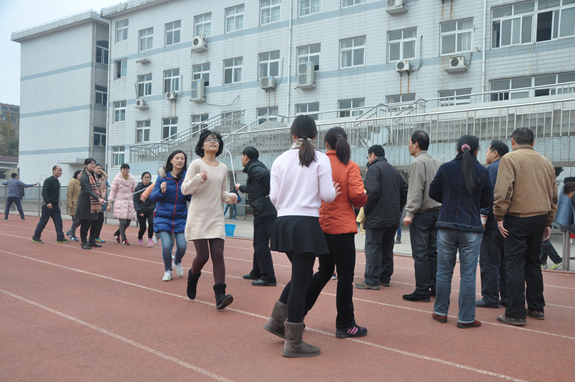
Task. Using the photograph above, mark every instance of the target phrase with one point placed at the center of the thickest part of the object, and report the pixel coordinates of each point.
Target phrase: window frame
(459, 97)
(268, 110)
(273, 5)
(103, 52)
(557, 87)
(269, 64)
(234, 16)
(234, 69)
(307, 112)
(310, 7)
(100, 141)
(500, 20)
(402, 41)
(144, 85)
(353, 49)
(122, 30)
(119, 111)
(173, 31)
(309, 55)
(173, 78)
(198, 125)
(121, 67)
(103, 97)
(118, 152)
(203, 23)
(457, 32)
(143, 129)
(170, 125)
(202, 73)
(353, 111)
(148, 38)
(354, 3)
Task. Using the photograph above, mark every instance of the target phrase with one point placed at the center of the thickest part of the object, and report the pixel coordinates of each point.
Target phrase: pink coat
(122, 190)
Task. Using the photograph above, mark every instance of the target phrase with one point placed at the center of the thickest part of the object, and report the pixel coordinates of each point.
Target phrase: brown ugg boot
(294, 345)
(275, 324)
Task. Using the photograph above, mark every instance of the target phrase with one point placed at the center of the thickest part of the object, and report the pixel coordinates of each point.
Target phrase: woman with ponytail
(463, 187)
(337, 220)
(301, 179)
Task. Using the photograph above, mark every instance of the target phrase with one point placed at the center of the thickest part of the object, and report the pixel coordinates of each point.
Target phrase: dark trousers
(423, 234)
(492, 265)
(378, 255)
(56, 216)
(341, 257)
(149, 217)
(75, 224)
(522, 251)
(547, 249)
(9, 202)
(86, 225)
(263, 265)
(98, 225)
(295, 290)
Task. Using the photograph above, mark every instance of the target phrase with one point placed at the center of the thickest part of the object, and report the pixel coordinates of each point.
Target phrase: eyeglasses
(214, 140)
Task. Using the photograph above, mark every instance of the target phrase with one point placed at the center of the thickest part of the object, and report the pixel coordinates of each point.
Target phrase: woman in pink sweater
(121, 193)
(300, 180)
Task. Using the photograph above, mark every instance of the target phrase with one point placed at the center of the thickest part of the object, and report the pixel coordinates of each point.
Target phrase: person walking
(171, 211)
(463, 187)
(258, 189)
(421, 216)
(72, 194)
(51, 208)
(121, 192)
(144, 210)
(206, 181)
(103, 179)
(89, 205)
(301, 179)
(525, 207)
(13, 195)
(337, 220)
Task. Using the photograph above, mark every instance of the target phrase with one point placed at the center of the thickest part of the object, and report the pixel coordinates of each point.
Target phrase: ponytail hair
(303, 127)
(337, 140)
(467, 145)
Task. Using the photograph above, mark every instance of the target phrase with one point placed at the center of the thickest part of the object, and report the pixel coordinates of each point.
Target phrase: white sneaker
(155, 239)
(179, 269)
(167, 276)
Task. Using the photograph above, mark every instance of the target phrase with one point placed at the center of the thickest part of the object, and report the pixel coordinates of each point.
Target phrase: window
(102, 52)
(122, 30)
(146, 39)
(172, 80)
(513, 24)
(145, 85)
(515, 88)
(308, 108)
(554, 21)
(118, 153)
(454, 97)
(307, 7)
(235, 18)
(456, 36)
(142, 131)
(309, 53)
(270, 11)
(350, 104)
(203, 25)
(197, 124)
(349, 3)
(173, 32)
(169, 128)
(121, 68)
(233, 70)
(401, 44)
(119, 111)
(400, 98)
(202, 71)
(101, 95)
(99, 136)
(269, 64)
(267, 110)
(352, 52)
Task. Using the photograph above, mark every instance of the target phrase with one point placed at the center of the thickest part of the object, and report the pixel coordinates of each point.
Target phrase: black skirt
(298, 234)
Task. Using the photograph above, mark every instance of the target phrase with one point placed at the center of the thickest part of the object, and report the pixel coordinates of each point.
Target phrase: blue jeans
(56, 216)
(468, 243)
(233, 208)
(181, 245)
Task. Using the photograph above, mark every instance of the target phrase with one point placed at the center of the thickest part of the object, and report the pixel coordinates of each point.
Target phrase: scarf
(298, 142)
(95, 206)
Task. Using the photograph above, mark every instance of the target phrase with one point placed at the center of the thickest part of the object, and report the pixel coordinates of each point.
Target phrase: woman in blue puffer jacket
(171, 211)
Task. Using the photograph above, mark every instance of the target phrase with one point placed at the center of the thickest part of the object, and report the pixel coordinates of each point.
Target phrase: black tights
(294, 292)
(149, 217)
(203, 249)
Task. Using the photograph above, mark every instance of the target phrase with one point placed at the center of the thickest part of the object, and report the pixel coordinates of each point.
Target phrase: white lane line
(123, 339)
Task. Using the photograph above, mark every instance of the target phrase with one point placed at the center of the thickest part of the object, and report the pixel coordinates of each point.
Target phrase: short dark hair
(76, 173)
(200, 145)
(523, 136)
(98, 164)
(124, 165)
(377, 150)
(146, 173)
(569, 187)
(14, 175)
(420, 137)
(499, 146)
(55, 167)
(251, 152)
(87, 161)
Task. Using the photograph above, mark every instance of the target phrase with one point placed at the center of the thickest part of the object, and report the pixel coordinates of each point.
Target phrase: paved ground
(105, 315)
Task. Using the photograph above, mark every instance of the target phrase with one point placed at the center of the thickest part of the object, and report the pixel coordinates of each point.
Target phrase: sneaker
(334, 276)
(99, 240)
(37, 241)
(125, 242)
(167, 276)
(74, 238)
(511, 321)
(536, 314)
(5, 220)
(62, 241)
(354, 331)
(23, 220)
(556, 265)
(544, 266)
(154, 239)
(363, 285)
(474, 324)
(179, 269)
(397, 240)
(387, 284)
(68, 234)
(140, 241)
(150, 243)
(117, 237)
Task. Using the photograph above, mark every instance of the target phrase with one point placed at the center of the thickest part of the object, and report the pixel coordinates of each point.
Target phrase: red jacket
(338, 216)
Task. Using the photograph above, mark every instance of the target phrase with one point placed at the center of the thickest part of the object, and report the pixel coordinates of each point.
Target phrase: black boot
(222, 299)
(192, 284)
(93, 243)
(85, 244)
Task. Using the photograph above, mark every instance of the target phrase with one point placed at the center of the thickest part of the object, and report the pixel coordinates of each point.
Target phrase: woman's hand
(337, 189)
(163, 187)
(142, 215)
(109, 207)
(233, 199)
(204, 175)
(101, 201)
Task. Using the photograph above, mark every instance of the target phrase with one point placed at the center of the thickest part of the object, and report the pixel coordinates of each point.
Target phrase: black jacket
(139, 206)
(258, 188)
(386, 195)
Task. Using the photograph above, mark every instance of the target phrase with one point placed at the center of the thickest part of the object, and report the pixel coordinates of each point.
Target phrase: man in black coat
(386, 196)
(258, 190)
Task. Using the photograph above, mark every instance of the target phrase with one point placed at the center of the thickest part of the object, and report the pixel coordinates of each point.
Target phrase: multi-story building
(63, 94)
(10, 113)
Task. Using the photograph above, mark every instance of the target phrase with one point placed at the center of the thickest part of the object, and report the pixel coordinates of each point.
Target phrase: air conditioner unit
(456, 64)
(171, 96)
(199, 43)
(402, 66)
(198, 94)
(140, 104)
(306, 75)
(268, 82)
(395, 7)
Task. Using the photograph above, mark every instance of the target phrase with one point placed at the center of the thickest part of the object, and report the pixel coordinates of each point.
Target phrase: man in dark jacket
(386, 196)
(258, 190)
(50, 208)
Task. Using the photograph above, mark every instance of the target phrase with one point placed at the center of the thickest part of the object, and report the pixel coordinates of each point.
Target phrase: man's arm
(416, 187)
(45, 188)
(503, 191)
(373, 188)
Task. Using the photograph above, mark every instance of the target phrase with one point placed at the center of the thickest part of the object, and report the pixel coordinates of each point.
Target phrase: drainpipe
(289, 57)
(108, 114)
(484, 47)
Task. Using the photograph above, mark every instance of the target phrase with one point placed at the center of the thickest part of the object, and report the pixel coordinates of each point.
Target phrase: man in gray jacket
(13, 196)
(422, 213)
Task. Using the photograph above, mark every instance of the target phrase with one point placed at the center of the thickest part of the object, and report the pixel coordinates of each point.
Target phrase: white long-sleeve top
(299, 190)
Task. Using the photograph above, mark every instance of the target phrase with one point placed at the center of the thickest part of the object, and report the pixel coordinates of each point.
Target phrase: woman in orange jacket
(337, 220)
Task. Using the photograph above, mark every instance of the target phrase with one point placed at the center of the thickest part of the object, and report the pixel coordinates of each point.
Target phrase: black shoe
(249, 277)
(261, 282)
(416, 297)
(354, 331)
(94, 244)
(86, 246)
(482, 304)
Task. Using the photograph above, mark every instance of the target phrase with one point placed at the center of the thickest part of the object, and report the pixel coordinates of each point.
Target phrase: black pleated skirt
(298, 234)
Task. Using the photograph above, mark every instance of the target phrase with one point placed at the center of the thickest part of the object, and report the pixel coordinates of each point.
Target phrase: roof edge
(129, 6)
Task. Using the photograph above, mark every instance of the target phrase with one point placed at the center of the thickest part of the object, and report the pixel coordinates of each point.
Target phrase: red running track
(105, 315)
